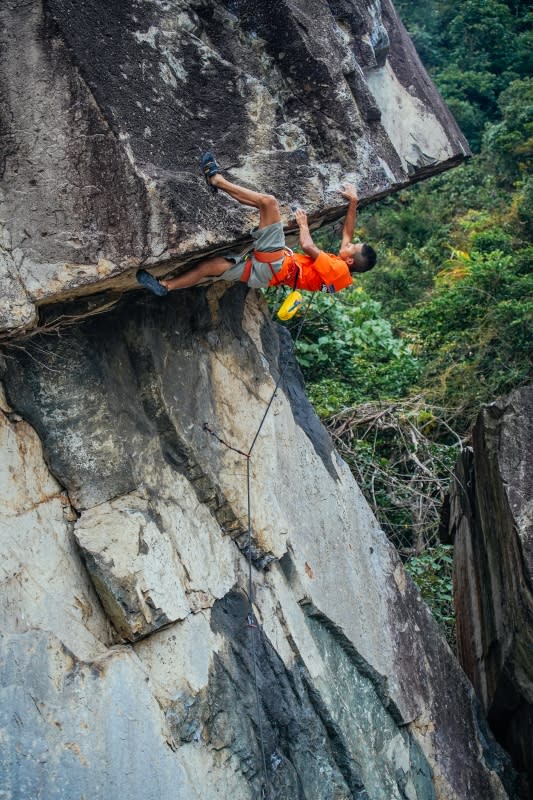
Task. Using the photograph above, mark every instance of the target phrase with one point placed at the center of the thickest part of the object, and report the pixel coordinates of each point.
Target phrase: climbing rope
(252, 621)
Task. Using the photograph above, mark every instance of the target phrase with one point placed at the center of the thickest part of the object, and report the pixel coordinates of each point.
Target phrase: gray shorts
(266, 240)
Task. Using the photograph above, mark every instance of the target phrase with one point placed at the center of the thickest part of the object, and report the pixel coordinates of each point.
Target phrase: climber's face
(351, 253)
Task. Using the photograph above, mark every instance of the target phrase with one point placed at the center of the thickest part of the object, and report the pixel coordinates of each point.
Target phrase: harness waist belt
(264, 258)
(270, 257)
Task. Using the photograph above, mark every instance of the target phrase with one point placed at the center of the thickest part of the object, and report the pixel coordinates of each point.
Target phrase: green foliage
(492, 239)
(522, 50)
(432, 572)
(480, 35)
(329, 396)
(472, 49)
(510, 141)
(524, 211)
(471, 96)
(441, 206)
(475, 332)
(349, 349)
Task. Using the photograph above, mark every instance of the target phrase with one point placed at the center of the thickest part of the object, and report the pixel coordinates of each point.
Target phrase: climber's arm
(351, 214)
(306, 240)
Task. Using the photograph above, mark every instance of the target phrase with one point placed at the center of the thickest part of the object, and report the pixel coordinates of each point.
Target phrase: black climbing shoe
(210, 167)
(151, 283)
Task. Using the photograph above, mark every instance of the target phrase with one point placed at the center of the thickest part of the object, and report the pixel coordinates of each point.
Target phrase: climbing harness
(264, 258)
(294, 300)
(251, 620)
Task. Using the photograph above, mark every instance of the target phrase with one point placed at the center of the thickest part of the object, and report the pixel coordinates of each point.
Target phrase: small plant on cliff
(432, 572)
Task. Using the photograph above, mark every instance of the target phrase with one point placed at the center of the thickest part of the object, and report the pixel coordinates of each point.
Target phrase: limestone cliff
(147, 649)
(491, 525)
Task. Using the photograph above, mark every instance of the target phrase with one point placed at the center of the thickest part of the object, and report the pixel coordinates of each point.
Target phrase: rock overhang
(106, 111)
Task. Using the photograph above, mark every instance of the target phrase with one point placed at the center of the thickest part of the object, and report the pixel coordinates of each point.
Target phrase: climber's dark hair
(370, 256)
(365, 260)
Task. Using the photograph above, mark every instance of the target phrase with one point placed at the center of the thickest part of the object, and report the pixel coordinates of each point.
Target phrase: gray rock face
(491, 523)
(344, 689)
(105, 110)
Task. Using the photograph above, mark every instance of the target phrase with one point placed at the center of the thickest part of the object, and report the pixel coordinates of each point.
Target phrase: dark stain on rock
(379, 682)
(302, 760)
(145, 74)
(313, 748)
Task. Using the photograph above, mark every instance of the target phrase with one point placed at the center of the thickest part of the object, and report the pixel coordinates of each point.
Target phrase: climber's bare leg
(210, 268)
(268, 208)
(266, 203)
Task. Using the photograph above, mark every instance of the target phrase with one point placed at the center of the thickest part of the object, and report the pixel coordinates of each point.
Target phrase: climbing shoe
(210, 168)
(151, 283)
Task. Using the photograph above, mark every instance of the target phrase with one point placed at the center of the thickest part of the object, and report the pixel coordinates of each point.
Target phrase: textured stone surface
(16, 310)
(491, 524)
(133, 565)
(364, 755)
(154, 558)
(358, 694)
(73, 720)
(104, 112)
(42, 581)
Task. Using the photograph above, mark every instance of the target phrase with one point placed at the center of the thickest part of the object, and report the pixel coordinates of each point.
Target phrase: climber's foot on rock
(152, 284)
(211, 170)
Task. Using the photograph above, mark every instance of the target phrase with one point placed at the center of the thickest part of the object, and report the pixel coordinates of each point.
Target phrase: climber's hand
(301, 217)
(349, 193)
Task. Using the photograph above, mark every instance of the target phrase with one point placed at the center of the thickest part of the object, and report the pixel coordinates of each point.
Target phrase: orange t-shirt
(326, 271)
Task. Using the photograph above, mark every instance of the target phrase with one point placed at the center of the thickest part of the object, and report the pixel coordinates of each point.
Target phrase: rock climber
(271, 263)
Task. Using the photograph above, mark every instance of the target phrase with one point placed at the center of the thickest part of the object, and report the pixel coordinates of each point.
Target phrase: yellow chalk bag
(290, 306)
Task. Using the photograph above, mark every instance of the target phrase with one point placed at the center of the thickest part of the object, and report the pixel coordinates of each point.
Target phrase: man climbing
(270, 263)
